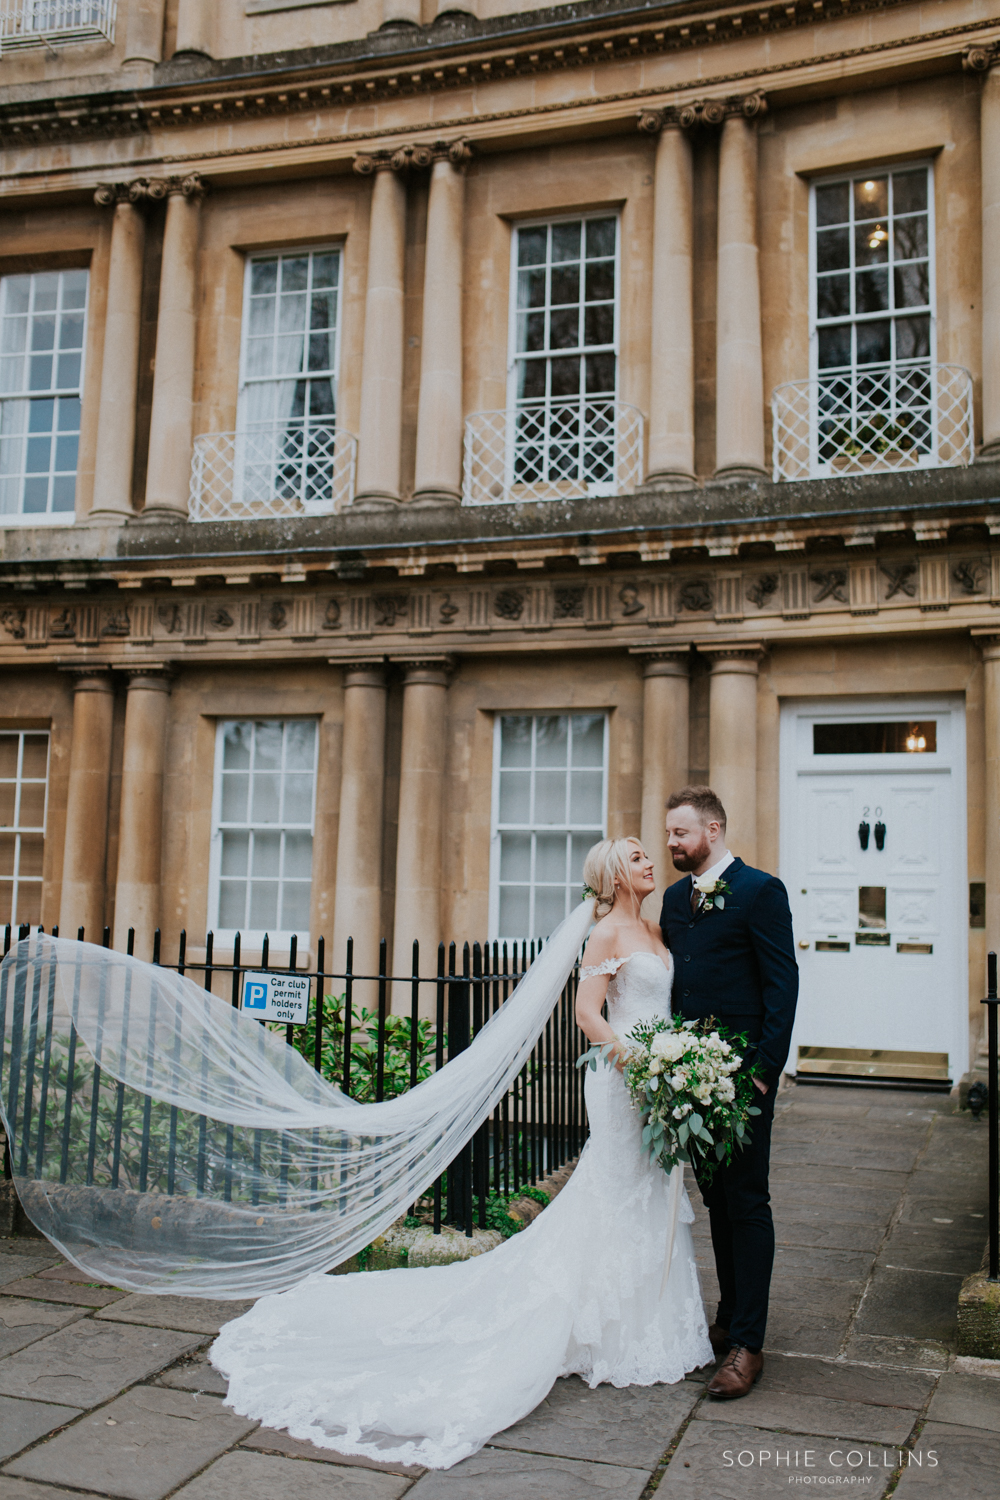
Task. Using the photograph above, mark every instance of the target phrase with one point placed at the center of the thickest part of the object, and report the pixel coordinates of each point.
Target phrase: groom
(734, 960)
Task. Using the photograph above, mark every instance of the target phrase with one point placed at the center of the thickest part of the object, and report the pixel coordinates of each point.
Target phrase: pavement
(880, 1204)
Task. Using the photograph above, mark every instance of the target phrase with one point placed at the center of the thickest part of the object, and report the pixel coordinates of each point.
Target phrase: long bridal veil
(167, 1143)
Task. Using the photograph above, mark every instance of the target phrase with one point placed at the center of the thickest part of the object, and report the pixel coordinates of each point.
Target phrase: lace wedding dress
(424, 1366)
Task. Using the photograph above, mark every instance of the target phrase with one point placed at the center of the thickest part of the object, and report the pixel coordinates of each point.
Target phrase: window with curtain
(565, 352)
(42, 328)
(24, 774)
(549, 807)
(288, 376)
(873, 307)
(262, 827)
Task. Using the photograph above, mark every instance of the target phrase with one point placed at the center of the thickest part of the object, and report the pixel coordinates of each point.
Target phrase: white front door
(873, 854)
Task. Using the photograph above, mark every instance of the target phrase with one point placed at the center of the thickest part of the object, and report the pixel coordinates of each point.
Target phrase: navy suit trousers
(739, 1212)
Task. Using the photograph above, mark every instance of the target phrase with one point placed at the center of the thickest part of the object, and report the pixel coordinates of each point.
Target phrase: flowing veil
(167, 1143)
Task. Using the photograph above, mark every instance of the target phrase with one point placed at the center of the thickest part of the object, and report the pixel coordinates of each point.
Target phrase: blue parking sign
(277, 997)
(254, 995)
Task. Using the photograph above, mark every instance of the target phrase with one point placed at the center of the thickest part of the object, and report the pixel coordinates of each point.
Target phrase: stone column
(991, 694)
(169, 473)
(421, 795)
(380, 432)
(739, 372)
(85, 849)
(357, 908)
(194, 27)
(990, 150)
(137, 889)
(665, 717)
(439, 413)
(732, 741)
(120, 363)
(144, 32)
(671, 384)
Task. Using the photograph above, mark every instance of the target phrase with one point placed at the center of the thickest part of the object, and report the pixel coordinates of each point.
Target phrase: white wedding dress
(423, 1366)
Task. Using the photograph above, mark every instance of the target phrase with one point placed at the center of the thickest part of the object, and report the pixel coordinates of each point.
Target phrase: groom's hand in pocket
(761, 1086)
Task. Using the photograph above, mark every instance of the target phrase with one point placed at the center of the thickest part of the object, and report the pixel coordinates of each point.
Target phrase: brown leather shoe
(738, 1373)
(718, 1337)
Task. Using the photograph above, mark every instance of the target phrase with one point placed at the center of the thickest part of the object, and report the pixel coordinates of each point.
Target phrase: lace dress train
(424, 1366)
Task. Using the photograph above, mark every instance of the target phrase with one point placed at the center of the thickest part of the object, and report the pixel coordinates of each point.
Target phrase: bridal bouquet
(683, 1077)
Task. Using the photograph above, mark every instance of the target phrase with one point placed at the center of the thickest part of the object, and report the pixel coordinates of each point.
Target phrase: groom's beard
(690, 861)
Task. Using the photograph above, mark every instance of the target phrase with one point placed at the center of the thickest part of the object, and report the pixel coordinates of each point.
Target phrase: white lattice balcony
(872, 420)
(37, 23)
(552, 450)
(289, 468)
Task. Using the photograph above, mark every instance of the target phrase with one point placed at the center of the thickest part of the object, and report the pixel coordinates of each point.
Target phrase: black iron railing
(992, 1002)
(537, 1127)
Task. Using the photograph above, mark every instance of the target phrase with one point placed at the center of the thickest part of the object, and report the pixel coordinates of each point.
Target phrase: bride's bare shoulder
(602, 944)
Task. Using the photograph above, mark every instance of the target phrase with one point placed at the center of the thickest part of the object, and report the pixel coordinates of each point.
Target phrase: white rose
(680, 1110)
(656, 1065)
(704, 885)
(678, 1081)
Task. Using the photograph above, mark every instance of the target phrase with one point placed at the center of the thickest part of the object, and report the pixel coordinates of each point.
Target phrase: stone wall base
(979, 1317)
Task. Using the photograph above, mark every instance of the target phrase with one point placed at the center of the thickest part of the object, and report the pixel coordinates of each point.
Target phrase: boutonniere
(713, 893)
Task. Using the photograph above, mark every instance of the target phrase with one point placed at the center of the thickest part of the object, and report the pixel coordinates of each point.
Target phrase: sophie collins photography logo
(840, 1466)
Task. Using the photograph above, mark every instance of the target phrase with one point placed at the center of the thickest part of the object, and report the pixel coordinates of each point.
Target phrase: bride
(423, 1368)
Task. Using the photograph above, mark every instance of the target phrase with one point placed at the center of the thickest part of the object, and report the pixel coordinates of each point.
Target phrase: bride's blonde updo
(607, 862)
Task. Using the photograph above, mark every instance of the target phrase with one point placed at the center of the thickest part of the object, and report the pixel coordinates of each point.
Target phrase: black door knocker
(864, 830)
(879, 830)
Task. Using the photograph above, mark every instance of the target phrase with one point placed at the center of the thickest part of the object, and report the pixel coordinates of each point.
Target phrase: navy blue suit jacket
(738, 962)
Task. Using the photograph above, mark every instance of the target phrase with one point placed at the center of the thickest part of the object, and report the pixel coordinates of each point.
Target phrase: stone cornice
(220, 94)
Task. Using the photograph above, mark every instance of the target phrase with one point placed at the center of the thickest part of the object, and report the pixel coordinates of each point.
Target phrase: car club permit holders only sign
(277, 997)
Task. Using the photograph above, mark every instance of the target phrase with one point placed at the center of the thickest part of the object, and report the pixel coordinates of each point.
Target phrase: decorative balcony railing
(873, 420)
(552, 450)
(290, 468)
(37, 23)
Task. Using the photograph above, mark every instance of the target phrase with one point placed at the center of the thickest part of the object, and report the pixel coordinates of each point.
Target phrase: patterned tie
(695, 899)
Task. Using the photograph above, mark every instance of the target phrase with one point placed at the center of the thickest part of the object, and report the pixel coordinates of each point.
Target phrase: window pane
(834, 347)
(588, 740)
(235, 853)
(32, 809)
(581, 845)
(585, 796)
(912, 285)
(236, 746)
(295, 899)
(515, 740)
(8, 803)
(833, 203)
(515, 796)
(8, 851)
(551, 741)
(833, 249)
(267, 746)
(514, 910)
(266, 798)
(913, 338)
(298, 856)
(872, 291)
(30, 863)
(550, 797)
(264, 905)
(29, 901)
(235, 791)
(909, 191)
(531, 247)
(266, 854)
(550, 857)
(550, 909)
(8, 754)
(515, 856)
(232, 904)
(600, 237)
(871, 197)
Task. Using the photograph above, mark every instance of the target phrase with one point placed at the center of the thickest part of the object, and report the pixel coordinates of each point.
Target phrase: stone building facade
(428, 435)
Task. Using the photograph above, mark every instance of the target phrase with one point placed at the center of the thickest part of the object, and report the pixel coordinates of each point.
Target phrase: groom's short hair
(704, 801)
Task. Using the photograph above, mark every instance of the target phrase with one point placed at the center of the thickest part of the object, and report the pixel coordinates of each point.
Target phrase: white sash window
(549, 808)
(24, 778)
(286, 421)
(42, 330)
(262, 829)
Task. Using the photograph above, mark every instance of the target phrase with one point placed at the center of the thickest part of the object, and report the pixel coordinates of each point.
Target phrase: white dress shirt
(715, 870)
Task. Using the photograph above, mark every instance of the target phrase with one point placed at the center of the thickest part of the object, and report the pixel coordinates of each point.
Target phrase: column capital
(734, 657)
(91, 677)
(156, 677)
(434, 670)
(149, 190)
(989, 644)
(674, 662)
(980, 57)
(362, 673)
(701, 112)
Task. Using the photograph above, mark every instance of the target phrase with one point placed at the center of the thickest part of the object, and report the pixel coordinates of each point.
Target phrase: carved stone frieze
(149, 189)
(701, 112)
(412, 158)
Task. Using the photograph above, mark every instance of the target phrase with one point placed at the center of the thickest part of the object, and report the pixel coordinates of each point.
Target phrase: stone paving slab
(848, 1382)
(60, 1291)
(188, 1314)
(495, 1474)
(792, 1331)
(970, 1400)
(23, 1322)
(730, 1461)
(14, 1267)
(195, 1374)
(833, 1265)
(140, 1447)
(899, 1353)
(24, 1422)
(67, 1272)
(258, 1476)
(89, 1362)
(917, 1304)
(933, 1247)
(269, 1440)
(23, 1489)
(968, 1462)
(785, 1411)
(811, 1227)
(631, 1427)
